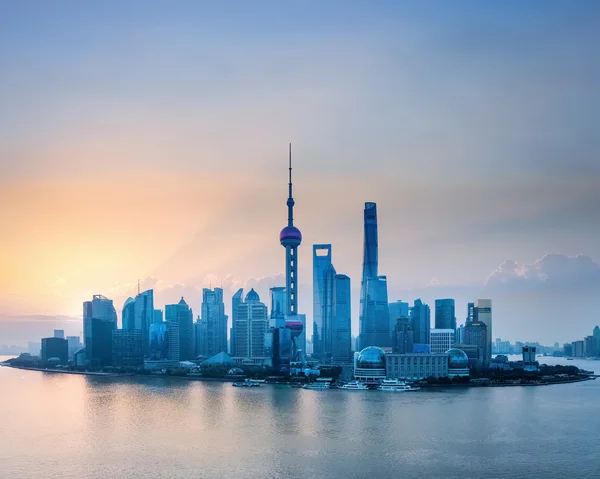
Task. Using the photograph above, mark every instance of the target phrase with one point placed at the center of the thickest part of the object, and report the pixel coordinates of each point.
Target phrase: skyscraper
(323, 284)
(99, 320)
(445, 314)
(398, 309)
(374, 317)
(403, 338)
(483, 312)
(236, 300)
(476, 335)
(341, 324)
(180, 321)
(470, 311)
(251, 325)
(143, 316)
(420, 321)
(128, 314)
(278, 307)
(213, 323)
(290, 238)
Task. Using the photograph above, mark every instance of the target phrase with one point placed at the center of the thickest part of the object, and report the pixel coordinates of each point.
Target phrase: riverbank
(67, 371)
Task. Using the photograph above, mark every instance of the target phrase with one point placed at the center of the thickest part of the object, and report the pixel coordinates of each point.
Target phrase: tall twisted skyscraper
(374, 315)
(290, 238)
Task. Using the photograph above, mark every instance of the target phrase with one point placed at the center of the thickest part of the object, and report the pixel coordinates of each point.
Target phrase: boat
(395, 386)
(246, 383)
(354, 386)
(317, 385)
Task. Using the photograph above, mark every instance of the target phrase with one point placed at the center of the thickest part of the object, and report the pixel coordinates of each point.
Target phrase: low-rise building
(416, 366)
(55, 348)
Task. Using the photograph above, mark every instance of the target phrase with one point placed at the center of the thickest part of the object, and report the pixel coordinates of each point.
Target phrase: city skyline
(107, 179)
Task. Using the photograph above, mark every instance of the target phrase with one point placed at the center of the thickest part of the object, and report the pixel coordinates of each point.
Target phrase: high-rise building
(182, 315)
(127, 348)
(173, 339)
(460, 334)
(55, 348)
(278, 348)
(483, 312)
(99, 320)
(596, 335)
(212, 327)
(374, 317)
(278, 306)
(578, 349)
(403, 339)
(341, 323)
(290, 238)
(251, 325)
(157, 317)
(588, 346)
(476, 335)
(236, 300)
(323, 284)
(420, 321)
(144, 316)
(470, 312)
(59, 333)
(159, 340)
(73, 343)
(397, 309)
(441, 340)
(445, 314)
(128, 314)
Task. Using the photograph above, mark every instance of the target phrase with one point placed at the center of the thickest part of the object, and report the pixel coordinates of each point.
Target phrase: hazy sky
(149, 140)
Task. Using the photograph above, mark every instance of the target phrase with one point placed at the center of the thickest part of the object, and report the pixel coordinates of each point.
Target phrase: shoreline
(230, 380)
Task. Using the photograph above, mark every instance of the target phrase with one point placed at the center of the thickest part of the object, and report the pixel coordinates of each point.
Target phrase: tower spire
(290, 201)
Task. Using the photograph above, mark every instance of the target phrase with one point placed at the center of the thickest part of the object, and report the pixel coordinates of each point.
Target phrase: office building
(59, 333)
(278, 307)
(578, 349)
(441, 340)
(445, 314)
(341, 326)
(55, 348)
(460, 334)
(159, 341)
(568, 350)
(74, 344)
(99, 320)
(251, 325)
(236, 300)
(420, 322)
(127, 348)
(416, 366)
(181, 314)
(323, 286)
(144, 316)
(278, 348)
(212, 327)
(397, 309)
(476, 335)
(157, 317)
(128, 314)
(403, 338)
(470, 312)
(589, 348)
(529, 353)
(173, 340)
(374, 316)
(483, 312)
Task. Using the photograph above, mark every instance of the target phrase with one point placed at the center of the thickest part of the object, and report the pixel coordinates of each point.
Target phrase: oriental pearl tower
(290, 238)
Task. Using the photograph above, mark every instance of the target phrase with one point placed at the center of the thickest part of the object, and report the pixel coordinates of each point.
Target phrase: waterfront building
(578, 349)
(251, 325)
(416, 366)
(157, 316)
(476, 335)
(483, 312)
(458, 363)
(470, 312)
(159, 340)
(181, 314)
(99, 320)
(441, 340)
(589, 348)
(144, 316)
(473, 354)
(212, 327)
(59, 333)
(278, 348)
(445, 314)
(403, 338)
(397, 309)
(596, 335)
(369, 365)
(74, 344)
(236, 300)
(127, 348)
(55, 348)
(529, 361)
(420, 322)
(568, 350)
(374, 316)
(278, 307)
(290, 238)
(173, 341)
(323, 286)
(128, 314)
(341, 327)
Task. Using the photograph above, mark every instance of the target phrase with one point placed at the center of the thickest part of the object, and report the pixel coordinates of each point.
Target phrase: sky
(148, 141)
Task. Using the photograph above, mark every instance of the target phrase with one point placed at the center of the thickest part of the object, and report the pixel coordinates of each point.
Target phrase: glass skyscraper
(323, 285)
(180, 322)
(420, 322)
(212, 339)
(374, 317)
(144, 316)
(445, 314)
(483, 312)
(99, 320)
(278, 306)
(341, 325)
(251, 325)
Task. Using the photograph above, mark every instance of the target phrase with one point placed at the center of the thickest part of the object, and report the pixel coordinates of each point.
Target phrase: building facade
(397, 309)
(341, 327)
(212, 327)
(323, 286)
(144, 316)
(181, 314)
(483, 312)
(128, 314)
(476, 335)
(403, 338)
(441, 340)
(415, 366)
(251, 325)
(420, 321)
(445, 314)
(55, 348)
(278, 307)
(127, 350)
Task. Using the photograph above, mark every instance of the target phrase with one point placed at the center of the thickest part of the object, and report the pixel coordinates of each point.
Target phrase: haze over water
(60, 425)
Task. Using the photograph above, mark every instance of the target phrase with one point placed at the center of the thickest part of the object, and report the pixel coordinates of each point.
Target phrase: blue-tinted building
(398, 309)
(323, 286)
(278, 306)
(159, 341)
(144, 316)
(213, 324)
(181, 317)
(236, 300)
(55, 348)
(99, 320)
(445, 314)
(128, 314)
(374, 318)
(341, 325)
(420, 322)
(278, 348)
(127, 348)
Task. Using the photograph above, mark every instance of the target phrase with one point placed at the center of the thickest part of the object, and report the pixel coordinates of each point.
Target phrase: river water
(59, 425)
